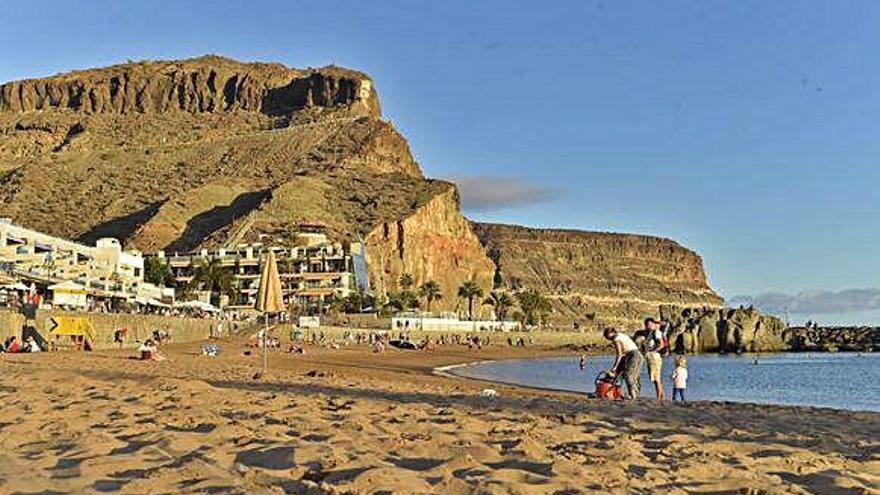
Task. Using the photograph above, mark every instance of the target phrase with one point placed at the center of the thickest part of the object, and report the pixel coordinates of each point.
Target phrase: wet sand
(350, 421)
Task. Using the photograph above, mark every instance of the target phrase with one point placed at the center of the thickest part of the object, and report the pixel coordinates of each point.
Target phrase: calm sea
(838, 380)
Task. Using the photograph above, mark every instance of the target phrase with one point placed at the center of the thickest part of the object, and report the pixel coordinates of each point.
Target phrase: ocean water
(836, 380)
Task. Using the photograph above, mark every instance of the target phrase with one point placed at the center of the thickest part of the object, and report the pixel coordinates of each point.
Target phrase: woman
(149, 352)
(628, 363)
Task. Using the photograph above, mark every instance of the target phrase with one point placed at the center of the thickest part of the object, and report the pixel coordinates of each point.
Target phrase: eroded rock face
(704, 329)
(434, 243)
(205, 84)
(596, 277)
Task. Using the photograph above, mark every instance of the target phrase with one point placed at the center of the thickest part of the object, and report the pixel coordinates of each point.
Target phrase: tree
(406, 281)
(337, 304)
(354, 302)
(501, 303)
(402, 301)
(535, 307)
(430, 292)
(211, 276)
(157, 272)
(470, 290)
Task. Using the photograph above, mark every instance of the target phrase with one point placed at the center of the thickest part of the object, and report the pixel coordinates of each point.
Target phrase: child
(679, 378)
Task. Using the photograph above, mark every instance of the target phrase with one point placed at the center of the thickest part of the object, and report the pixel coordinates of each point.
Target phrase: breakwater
(832, 339)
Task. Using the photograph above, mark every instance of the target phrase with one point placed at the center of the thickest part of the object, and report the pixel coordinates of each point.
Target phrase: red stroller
(607, 387)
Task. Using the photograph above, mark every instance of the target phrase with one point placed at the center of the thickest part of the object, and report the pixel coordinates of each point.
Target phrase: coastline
(350, 421)
(453, 371)
(448, 372)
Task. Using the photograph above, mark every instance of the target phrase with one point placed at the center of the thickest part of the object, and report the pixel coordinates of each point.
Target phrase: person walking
(628, 363)
(655, 346)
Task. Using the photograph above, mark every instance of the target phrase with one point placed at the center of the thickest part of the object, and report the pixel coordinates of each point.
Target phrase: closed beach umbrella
(269, 298)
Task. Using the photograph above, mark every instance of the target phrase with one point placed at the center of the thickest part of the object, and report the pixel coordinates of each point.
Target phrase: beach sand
(349, 421)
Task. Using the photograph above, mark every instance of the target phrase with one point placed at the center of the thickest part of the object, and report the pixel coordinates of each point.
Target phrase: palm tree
(402, 301)
(430, 291)
(501, 303)
(157, 271)
(211, 276)
(470, 290)
(406, 281)
(535, 307)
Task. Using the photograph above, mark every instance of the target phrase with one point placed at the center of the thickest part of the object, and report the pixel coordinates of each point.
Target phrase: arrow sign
(73, 325)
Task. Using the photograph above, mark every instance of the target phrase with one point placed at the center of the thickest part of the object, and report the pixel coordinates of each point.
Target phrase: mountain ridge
(180, 155)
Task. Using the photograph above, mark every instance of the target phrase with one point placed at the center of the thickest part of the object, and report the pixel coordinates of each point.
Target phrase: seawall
(140, 327)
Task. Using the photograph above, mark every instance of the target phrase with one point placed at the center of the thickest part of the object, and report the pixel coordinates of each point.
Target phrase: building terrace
(313, 271)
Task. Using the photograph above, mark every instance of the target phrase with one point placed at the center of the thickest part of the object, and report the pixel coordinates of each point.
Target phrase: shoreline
(351, 421)
(448, 371)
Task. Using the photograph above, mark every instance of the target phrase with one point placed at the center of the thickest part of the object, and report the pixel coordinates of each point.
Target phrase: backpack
(664, 341)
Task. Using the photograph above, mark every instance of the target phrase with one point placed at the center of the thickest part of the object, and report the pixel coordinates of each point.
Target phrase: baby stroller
(607, 387)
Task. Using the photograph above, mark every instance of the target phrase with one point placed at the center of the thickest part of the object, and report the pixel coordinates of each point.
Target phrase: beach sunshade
(16, 286)
(197, 305)
(68, 288)
(269, 298)
(208, 307)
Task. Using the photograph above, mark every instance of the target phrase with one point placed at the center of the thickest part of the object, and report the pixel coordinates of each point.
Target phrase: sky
(745, 130)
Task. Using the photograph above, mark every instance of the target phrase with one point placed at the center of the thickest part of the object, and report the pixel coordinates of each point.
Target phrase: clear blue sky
(746, 130)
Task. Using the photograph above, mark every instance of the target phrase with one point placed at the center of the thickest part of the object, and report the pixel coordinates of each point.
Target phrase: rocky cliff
(435, 243)
(695, 330)
(205, 84)
(178, 155)
(596, 277)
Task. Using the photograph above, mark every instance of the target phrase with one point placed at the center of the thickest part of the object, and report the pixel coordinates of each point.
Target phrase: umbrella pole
(265, 341)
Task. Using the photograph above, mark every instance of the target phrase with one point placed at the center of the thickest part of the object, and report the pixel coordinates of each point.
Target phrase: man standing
(628, 363)
(655, 345)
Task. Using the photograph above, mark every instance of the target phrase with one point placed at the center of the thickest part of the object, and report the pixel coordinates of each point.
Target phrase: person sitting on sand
(119, 336)
(149, 352)
(31, 345)
(628, 362)
(679, 378)
(146, 350)
(12, 345)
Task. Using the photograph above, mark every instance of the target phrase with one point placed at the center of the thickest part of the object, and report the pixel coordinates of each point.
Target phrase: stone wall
(140, 327)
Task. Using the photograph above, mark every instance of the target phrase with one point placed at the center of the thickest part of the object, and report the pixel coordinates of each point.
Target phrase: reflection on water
(840, 380)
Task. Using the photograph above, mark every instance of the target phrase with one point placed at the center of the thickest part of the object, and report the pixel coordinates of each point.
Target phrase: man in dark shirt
(653, 344)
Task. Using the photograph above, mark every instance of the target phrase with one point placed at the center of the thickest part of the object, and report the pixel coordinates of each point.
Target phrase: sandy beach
(350, 421)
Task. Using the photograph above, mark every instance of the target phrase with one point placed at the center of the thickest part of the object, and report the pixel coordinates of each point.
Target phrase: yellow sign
(73, 325)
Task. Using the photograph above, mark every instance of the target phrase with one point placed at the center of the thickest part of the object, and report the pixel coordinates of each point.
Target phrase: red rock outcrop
(433, 243)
